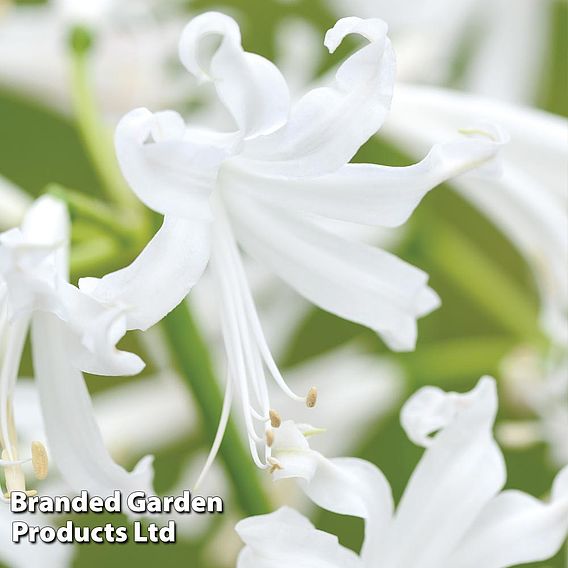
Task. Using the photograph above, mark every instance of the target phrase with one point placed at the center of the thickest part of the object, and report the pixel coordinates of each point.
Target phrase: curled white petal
(74, 437)
(328, 125)
(368, 193)
(250, 86)
(170, 170)
(160, 277)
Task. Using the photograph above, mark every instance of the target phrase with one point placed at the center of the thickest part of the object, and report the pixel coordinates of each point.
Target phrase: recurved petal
(516, 528)
(459, 474)
(160, 277)
(328, 125)
(250, 86)
(286, 538)
(172, 171)
(368, 193)
(352, 280)
(92, 330)
(73, 435)
(347, 486)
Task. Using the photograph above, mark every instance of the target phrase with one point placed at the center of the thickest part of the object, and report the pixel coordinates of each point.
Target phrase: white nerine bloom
(70, 332)
(453, 513)
(268, 186)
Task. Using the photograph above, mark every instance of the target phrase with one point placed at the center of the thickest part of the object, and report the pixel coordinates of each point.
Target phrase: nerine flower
(70, 332)
(269, 186)
(453, 513)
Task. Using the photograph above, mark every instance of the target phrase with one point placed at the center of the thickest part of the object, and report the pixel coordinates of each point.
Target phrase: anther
(312, 397)
(275, 420)
(40, 461)
(275, 465)
(269, 438)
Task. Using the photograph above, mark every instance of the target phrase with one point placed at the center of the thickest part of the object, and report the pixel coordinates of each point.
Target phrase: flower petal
(328, 125)
(347, 486)
(92, 331)
(462, 470)
(14, 201)
(30, 555)
(162, 275)
(353, 280)
(73, 435)
(286, 538)
(251, 87)
(171, 170)
(516, 528)
(367, 193)
(528, 202)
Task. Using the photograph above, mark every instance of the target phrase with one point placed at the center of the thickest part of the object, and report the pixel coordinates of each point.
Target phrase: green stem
(190, 354)
(92, 209)
(95, 137)
(485, 283)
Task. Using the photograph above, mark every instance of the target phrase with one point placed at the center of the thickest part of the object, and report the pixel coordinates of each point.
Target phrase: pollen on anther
(40, 461)
(275, 420)
(269, 438)
(275, 465)
(312, 397)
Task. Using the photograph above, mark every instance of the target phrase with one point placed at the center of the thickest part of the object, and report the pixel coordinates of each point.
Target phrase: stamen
(275, 420)
(223, 421)
(312, 397)
(15, 480)
(269, 438)
(29, 493)
(40, 461)
(275, 465)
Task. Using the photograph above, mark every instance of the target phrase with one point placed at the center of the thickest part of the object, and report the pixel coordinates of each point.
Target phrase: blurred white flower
(29, 425)
(134, 43)
(453, 513)
(495, 48)
(541, 387)
(70, 331)
(14, 204)
(266, 185)
(528, 202)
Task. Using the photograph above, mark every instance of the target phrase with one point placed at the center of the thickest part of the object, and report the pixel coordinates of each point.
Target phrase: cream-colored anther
(275, 465)
(269, 438)
(275, 420)
(312, 397)
(40, 461)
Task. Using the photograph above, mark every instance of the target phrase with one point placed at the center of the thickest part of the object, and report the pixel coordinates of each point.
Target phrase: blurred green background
(457, 344)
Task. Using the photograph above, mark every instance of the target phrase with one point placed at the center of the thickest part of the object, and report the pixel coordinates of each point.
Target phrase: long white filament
(223, 421)
(12, 339)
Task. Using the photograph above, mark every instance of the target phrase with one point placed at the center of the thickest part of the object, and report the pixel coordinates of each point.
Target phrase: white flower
(500, 52)
(70, 331)
(453, 513)
(266, 186)
(130, 55)
(528, 202)
(540, 386)
(14, 204)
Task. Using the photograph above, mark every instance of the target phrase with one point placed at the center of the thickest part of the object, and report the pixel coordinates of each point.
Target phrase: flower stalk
(95, 138)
